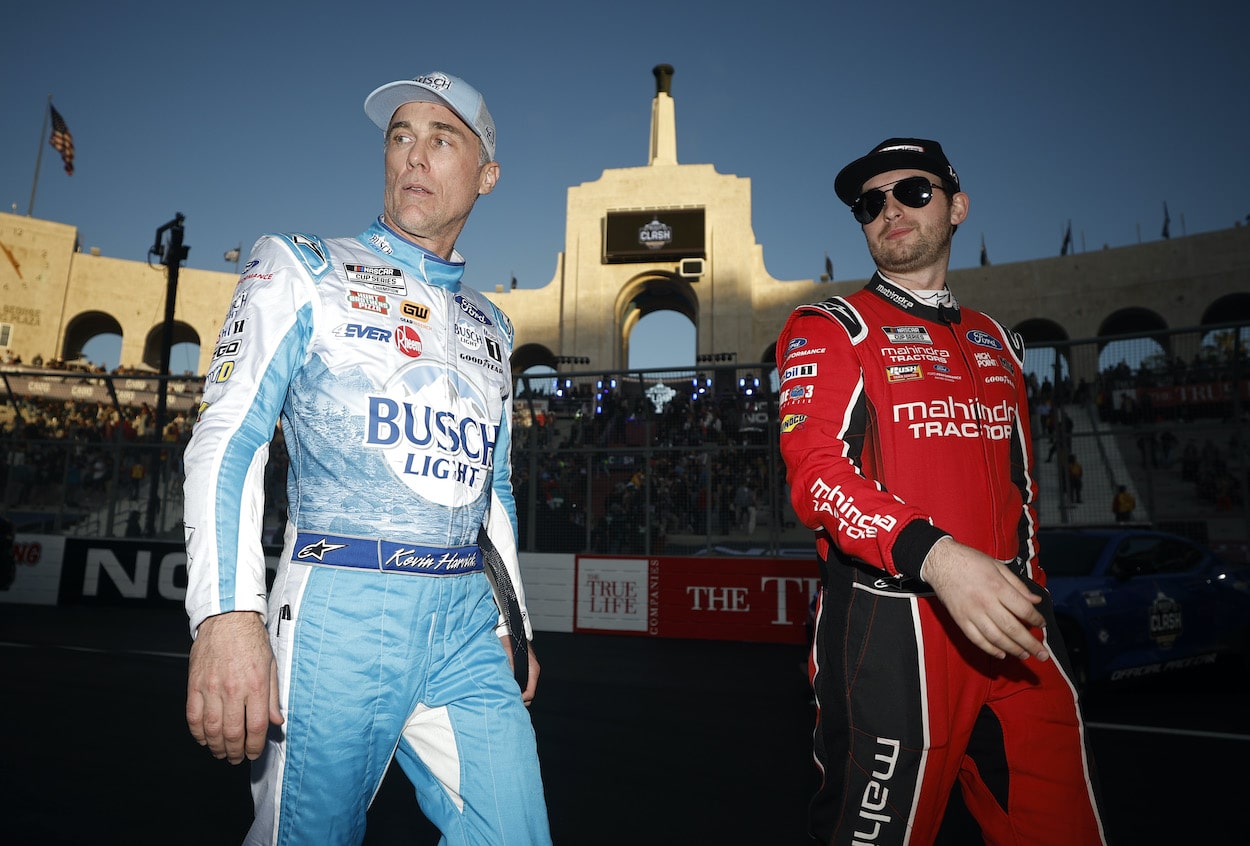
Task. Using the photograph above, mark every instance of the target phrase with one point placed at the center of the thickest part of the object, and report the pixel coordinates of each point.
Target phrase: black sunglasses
(914, 192)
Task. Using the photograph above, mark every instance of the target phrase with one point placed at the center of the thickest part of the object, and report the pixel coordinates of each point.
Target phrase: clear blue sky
(246, 118)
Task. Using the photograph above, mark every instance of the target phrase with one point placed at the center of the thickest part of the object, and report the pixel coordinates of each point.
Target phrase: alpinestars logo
(319, 549)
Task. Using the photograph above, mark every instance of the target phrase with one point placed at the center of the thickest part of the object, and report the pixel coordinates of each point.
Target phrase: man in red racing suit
(905, 433)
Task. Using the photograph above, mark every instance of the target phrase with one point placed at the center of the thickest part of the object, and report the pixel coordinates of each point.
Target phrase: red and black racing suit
(903, 423)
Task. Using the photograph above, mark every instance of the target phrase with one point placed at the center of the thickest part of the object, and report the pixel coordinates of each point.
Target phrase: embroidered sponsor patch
(903, 373)
(907, 334)
(414, 311)
(407, 341)
(387, 280)
(360, 330)
(798, 395)
(798, 371)
(791, 422)
(983, 339)
(470, 309)
(368, 301)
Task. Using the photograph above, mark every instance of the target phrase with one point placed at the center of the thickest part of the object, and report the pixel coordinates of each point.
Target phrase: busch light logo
(435, 81)
(472, 311)
(436, 431)
(468, 335)
(983, 339)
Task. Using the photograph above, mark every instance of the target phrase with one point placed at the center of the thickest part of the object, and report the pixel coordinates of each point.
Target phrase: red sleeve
(828, 443)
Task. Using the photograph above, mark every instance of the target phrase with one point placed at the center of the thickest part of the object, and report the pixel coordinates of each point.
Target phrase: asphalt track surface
(643, 741)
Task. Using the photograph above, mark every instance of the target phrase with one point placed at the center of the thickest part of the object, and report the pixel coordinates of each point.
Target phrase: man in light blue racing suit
(382, 636)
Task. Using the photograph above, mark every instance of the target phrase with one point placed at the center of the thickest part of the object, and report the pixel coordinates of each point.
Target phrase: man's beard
(928, 248)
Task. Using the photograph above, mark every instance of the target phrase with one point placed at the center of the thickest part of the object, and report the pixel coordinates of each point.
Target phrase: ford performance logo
(472, 311)
(983, 339)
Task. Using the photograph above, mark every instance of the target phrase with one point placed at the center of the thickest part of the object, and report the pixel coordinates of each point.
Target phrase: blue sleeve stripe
(254, 430)
(503, 474)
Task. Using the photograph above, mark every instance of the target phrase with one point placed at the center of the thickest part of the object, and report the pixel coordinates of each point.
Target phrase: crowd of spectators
(613, 470)
(605, 464)
(73, 457)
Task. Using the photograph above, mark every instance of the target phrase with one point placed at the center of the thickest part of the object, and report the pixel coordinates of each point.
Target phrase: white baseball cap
(442, 88)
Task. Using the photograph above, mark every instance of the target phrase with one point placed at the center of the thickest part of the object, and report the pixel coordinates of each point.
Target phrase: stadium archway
(649, 293)
(84, 328)
(1228, 309)
(1126, 323)
(183, 334)
(1046, 353)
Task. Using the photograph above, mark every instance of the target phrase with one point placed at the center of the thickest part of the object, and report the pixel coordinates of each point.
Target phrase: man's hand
(989, 603)
(527, 695)
(232, 686)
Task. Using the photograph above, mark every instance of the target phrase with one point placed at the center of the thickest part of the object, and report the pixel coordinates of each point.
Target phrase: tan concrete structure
(54, 298)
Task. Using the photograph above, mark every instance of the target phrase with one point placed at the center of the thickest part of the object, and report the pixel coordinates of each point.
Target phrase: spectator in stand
(1060, 433)
(1075, 472)
(1122, 505)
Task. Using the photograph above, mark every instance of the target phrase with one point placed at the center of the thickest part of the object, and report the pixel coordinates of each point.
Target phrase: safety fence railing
(684, 461)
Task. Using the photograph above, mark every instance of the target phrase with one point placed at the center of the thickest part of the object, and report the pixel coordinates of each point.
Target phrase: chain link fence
(684, 461)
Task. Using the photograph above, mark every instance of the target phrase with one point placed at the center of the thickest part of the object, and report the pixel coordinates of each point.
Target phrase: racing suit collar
(400, 251)
(904, 300)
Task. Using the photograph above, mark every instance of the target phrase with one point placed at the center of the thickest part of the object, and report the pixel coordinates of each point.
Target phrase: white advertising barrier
(746, 599)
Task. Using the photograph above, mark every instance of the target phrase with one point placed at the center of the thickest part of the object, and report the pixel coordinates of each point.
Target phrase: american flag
(61, 140)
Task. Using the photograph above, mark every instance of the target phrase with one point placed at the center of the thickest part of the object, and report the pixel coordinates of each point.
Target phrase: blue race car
(1134, 603)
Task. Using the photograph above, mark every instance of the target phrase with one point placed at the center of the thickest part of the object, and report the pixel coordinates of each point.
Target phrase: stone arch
(1123, 324)
(646, 293)
(1046, 354)
(81, 328)
(1039, 331)
(1130, 321)
(532, 355)
(183, 333)
(1229, 308)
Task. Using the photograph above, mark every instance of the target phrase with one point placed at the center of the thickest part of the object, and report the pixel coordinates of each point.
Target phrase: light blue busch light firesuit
(394, 389)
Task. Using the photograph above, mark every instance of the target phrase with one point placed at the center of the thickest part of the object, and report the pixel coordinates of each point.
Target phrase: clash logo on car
(1165, 620)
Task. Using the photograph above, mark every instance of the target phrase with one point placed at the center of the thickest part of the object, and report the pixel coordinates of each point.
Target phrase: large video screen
(654, 235)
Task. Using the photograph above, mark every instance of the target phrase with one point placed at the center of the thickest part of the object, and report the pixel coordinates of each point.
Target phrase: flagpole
(30, 209)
